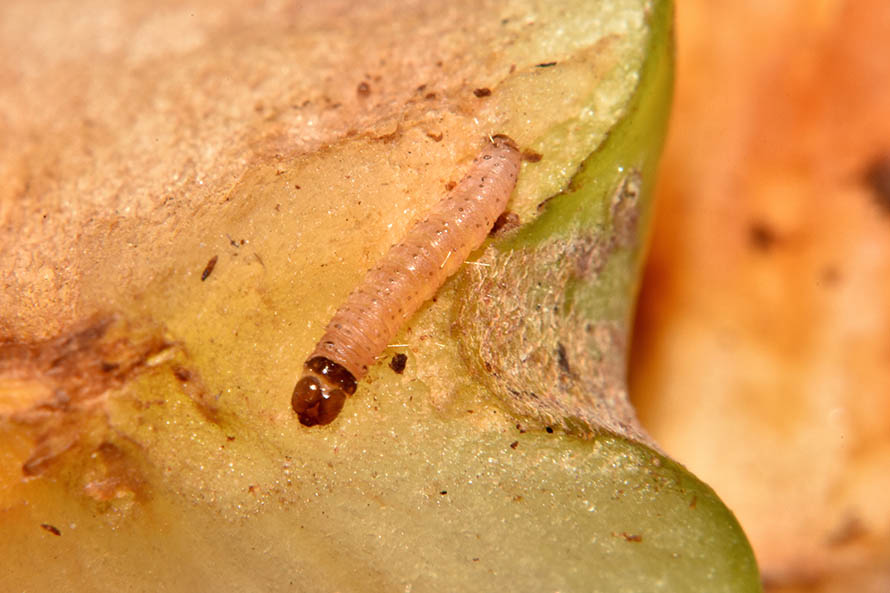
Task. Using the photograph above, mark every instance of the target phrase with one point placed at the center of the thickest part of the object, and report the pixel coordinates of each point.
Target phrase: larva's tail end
(501, 140)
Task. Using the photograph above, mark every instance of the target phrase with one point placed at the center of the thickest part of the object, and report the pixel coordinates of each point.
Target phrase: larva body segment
(409, 275)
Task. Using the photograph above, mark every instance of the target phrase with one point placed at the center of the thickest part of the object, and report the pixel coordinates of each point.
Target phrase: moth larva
(409, 275)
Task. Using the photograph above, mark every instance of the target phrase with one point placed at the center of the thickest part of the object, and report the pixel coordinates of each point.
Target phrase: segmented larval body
(409, 275)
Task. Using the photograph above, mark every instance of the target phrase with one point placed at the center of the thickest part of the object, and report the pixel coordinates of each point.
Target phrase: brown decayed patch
(89, 191)
(114, 475)
(57, 391)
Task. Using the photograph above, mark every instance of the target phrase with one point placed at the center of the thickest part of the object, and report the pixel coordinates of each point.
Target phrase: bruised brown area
(762, 353)
(120, 139)
(56, 391)
(534, 348)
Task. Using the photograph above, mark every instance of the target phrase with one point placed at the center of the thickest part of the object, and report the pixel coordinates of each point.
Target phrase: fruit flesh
(192, 469)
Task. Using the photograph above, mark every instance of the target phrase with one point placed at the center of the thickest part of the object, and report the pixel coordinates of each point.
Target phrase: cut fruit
(233, 184)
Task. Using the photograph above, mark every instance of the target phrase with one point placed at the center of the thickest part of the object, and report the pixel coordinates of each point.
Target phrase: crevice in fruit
(543, 334)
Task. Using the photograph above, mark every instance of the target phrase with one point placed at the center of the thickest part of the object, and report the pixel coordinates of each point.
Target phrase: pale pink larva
(409, 275)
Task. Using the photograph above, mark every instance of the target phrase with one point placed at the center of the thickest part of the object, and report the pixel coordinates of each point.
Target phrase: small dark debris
(230, 438)
(397, 363)
(877, 176)
(507, 221)
(830, 276)
(429, 96)
(545, 64)
(51, 528)
(182, 374)
(443, 492)
(761, 236)
(850, 530)
(632, 537)
(295, 187)
(483, 92)
(475, 559)
(108, 367)
(562, 358)
(450, 185)
(514, 444)
(549, 430)
(208, 269)
(531, 156)
(543, 204)
(421, 88)
(363, 89)
(435, 137)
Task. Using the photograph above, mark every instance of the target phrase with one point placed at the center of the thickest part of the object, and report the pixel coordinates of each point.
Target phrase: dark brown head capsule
(320, 393)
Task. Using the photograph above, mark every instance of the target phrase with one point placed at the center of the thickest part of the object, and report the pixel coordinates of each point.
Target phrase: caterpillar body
(409, 275)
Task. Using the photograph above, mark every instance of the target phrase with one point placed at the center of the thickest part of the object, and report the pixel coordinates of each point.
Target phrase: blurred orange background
(762, 351)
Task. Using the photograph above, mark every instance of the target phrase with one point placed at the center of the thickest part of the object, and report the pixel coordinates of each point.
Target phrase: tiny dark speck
(182, 374)
(398, 362)
(514, 444)
(562, 358)
(208, 269)
(443, 492)
(51, 528)
(507, 221)
(761, 236)
(877, 176)
(830, 277)
(531, 156)
(363, 89)
(549, 430)
(108, 367)
(635, 538)
(483, 92)
(545, 64)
